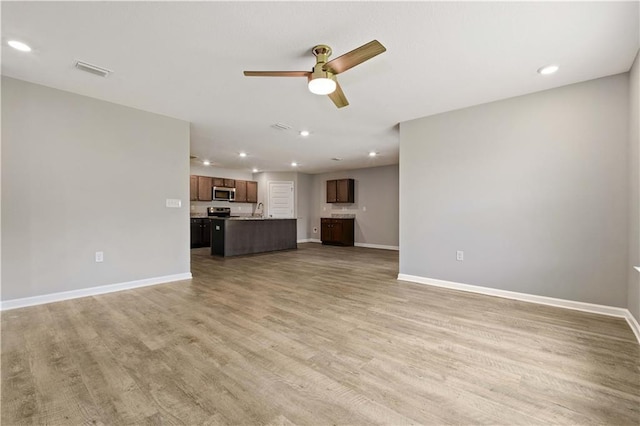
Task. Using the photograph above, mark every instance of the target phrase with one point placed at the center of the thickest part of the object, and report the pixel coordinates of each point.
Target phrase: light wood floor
(321, 335)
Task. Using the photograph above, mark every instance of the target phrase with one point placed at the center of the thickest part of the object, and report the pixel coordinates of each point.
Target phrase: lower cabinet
(337, 231)
(200, 232)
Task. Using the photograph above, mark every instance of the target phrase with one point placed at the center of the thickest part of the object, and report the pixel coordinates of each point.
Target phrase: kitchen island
(233, 236)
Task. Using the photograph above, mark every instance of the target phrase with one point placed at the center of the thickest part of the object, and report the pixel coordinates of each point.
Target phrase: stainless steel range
(219, 211)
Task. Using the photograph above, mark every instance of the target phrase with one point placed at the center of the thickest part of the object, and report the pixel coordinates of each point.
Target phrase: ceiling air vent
(337, 159)
(281, 126)
(93, 69)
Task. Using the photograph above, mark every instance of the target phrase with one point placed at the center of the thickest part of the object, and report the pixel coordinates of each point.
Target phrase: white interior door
(281, 200)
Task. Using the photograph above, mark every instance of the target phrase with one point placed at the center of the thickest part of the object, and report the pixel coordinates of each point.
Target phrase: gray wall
(634, 189)
(301, 195)
(263, 179)
(239, 209)
(534, 189)
(303, 201)
(80, 175)
(376, 204)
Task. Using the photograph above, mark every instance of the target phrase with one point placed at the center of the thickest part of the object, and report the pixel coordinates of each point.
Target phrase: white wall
(80, 175)
(375, 205)
(199, 208)
(533, 189)
(634, 189)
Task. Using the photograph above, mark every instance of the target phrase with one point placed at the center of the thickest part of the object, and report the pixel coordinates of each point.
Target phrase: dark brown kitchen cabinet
(193, 185)
(223, 182)
(204, 188)
(200, 232)
(241, 191)
(337, 231)
(246, 191)
(252, 192)
(340, 191)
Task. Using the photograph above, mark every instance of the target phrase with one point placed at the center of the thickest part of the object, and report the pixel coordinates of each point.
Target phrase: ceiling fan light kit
(322, 85)
(322, 78)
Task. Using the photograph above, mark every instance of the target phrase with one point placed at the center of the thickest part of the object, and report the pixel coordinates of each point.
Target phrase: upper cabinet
(193, 185)
(252, 192)
(241, 191)
(204, 188)
(224, 182)
(340, 191)
(201, 186)
(246, 191)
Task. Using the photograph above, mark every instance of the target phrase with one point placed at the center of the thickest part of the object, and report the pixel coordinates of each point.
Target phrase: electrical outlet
(315, 230)
(459, 255)
(99, 256)
(364, 208)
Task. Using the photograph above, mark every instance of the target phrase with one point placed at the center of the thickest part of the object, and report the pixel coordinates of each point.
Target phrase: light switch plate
(99, 256)
(175, 203)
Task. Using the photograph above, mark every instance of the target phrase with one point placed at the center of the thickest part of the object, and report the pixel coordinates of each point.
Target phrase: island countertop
(241, 218)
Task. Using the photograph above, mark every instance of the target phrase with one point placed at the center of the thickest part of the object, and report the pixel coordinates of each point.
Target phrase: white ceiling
(185, 60)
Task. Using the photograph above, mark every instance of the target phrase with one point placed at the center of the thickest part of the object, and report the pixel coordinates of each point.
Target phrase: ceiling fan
(322, 78)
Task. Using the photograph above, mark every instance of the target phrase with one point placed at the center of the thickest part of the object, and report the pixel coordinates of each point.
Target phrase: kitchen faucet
(259, 208)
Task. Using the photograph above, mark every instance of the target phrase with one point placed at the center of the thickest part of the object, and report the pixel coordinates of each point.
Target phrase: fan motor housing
(322, 53)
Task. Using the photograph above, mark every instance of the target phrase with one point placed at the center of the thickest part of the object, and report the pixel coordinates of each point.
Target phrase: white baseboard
(531, 298)
(377, 246)
(5, 305)
(366, 245)
(633, 323)
(305, 240)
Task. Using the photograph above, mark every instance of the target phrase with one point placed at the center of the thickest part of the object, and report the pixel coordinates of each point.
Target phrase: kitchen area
(357, 207)
(240, 233)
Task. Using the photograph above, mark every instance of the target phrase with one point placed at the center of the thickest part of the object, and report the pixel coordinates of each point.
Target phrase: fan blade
(355, 57)
(277, 73)
(338, 97)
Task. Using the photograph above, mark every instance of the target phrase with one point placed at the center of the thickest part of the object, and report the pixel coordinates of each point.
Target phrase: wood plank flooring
(320, 335)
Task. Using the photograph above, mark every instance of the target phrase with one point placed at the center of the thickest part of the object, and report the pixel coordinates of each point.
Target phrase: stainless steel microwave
(224, 194)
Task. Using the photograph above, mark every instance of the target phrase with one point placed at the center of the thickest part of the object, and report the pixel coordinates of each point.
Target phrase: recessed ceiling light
(206, 162)
(548, 69)
(304, 133)
(255, 170)
(18, 45)
(373, 154)
(243, 154)
(294, 164)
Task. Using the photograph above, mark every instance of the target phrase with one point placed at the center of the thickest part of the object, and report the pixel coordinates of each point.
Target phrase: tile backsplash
(199, 208)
